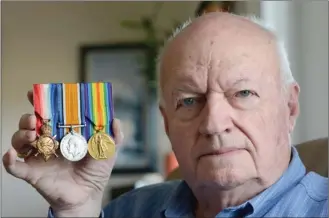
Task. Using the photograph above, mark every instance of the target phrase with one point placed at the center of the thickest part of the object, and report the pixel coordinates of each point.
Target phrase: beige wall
(40, 45)
(314, 69)
(303, 25)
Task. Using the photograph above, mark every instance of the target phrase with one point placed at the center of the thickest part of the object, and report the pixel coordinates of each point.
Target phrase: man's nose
(217, 117)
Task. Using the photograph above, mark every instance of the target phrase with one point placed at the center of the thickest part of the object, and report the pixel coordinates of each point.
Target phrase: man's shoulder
(315, 186)
(309, 198)
(144, 201)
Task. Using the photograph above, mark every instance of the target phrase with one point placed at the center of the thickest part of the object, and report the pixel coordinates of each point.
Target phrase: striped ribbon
(69, 103)
(44, 101)
(60, 131)
(98, 108)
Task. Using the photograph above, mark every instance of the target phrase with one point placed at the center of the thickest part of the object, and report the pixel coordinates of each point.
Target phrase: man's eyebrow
(186, 87)
(241, 80)
(183, 83)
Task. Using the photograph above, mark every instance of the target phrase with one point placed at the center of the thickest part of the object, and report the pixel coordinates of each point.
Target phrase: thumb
(117, 131)
(15, 167)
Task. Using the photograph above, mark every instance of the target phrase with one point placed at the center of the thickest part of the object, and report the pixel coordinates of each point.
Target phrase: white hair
(286, 74)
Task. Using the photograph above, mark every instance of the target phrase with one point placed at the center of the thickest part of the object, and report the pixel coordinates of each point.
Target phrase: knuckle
(22, 137)
(26, 120)
(25, 116)
(31, 118)
(29, 136)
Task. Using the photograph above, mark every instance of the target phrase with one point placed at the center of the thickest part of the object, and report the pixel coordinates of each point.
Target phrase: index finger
(30, 96)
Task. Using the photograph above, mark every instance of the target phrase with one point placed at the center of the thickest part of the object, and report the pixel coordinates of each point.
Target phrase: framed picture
(122, 65)
(213, 6)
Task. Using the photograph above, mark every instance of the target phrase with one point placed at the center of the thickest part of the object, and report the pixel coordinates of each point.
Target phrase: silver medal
(73, 146)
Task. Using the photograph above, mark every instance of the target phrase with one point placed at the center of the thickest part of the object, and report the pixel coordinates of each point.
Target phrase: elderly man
(229, 104)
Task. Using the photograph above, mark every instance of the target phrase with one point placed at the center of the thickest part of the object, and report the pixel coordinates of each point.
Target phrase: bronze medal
(101, 146)
(46, 144)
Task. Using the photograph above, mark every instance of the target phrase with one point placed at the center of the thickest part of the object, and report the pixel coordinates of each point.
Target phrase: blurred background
(46, 42)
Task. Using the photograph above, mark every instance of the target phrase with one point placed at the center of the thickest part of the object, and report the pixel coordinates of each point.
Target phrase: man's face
(226, 114)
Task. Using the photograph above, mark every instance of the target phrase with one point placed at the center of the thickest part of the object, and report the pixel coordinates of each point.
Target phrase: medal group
(75, 119)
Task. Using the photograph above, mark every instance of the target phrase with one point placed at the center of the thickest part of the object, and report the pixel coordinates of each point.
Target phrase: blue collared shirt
(295, 194)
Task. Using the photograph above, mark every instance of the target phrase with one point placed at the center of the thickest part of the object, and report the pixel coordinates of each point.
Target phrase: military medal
(73, 145)
(101, 146)
(99, 116)
(46, 144)
(45, 110)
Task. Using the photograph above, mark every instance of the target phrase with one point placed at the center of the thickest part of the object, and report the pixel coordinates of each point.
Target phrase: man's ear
(165, 119)
(293, 105)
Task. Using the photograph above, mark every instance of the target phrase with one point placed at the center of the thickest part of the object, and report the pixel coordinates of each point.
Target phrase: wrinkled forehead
(228, 56)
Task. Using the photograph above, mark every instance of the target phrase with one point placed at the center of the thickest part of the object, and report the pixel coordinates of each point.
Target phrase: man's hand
(71, 188)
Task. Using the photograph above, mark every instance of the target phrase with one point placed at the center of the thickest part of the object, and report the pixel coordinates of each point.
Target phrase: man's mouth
(220, 152)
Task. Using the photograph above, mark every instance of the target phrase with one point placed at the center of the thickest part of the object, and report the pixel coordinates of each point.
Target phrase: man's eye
(244, 93)
(188, 101)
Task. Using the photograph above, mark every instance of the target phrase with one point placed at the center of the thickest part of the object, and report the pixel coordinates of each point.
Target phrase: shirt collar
(182, 203)
(293, 175)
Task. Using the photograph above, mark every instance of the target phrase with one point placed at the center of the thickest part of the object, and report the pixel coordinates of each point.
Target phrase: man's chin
(222, 178)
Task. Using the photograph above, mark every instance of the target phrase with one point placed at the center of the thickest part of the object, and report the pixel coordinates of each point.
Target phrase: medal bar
(78, 115)
(44, 100)
(73, 145)
(99, 117)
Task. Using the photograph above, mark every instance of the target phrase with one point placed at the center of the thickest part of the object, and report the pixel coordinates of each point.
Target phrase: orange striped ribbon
(71, 106)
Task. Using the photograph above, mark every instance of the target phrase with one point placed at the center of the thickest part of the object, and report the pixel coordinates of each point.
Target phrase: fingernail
(32, 119)
(30, 135)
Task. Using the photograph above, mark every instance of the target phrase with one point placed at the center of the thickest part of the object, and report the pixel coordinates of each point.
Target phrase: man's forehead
(218, 52)
(232, 52)
(222, 75)
(220, 30)
(236, 63)
(189, 78)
